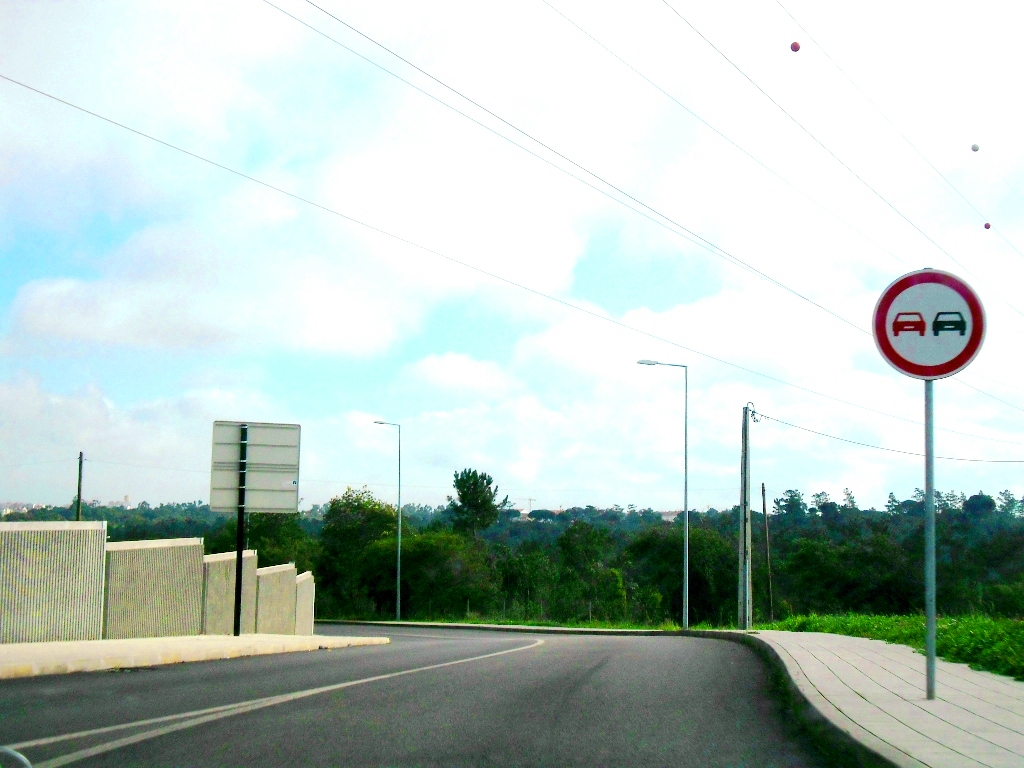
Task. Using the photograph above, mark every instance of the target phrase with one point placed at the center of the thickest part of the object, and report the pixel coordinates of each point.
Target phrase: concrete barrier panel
(275, 600)
(305, 594)
(51, 581)
(219, 593)
(154, 588)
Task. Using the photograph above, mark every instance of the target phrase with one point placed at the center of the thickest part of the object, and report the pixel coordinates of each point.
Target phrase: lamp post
(686, 485)
(398, 578)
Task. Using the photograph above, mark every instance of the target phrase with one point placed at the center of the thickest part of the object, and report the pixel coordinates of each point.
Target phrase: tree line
(476, 556)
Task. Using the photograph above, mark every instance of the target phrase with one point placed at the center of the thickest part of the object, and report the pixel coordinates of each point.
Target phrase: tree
(1008, 504)
(474, 507)
(587, 586)
(791, 505)
(440, 573)
(848, 501)
(352, 522)
(892, 505)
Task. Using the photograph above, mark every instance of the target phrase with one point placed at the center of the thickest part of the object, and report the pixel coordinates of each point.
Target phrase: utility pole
(744, 604)
(768, 555)
(78, 500)
(529, 506)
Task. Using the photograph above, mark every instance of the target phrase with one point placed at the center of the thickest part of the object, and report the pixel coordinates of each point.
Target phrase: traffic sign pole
(929, 324)
(929, 536)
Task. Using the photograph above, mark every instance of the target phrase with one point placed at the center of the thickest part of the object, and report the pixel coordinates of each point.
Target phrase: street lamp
(398, 578)
(686, 485)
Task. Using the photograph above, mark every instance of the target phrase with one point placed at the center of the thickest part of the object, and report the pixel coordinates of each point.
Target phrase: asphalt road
(533, 700)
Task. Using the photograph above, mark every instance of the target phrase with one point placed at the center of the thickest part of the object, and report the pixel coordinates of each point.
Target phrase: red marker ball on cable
(987, 225)
(794, 47)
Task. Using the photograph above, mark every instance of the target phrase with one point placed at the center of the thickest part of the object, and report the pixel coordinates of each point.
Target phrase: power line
(893, 125)
(689, 235)
(453, 260)
(35, 463)
(146, 466)
(722, 135)
(817, 141)
(675, 227)
(882, 448)
(771, 170)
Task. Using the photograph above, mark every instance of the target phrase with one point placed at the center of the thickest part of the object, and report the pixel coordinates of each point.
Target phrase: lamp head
(378, 422)
(647, 362)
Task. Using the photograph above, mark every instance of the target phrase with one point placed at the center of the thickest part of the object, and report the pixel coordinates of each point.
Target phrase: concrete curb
(521, 628)
(832, 731)
(57, 658)
(845, 742)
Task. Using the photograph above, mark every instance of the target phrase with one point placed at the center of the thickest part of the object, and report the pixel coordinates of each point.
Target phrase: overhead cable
(662, 219)
(726, 138)
(893, 125)
(453, 260)
(883, 448)
(817, 141)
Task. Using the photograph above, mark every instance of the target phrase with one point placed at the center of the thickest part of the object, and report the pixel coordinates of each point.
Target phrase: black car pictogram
(949, 321)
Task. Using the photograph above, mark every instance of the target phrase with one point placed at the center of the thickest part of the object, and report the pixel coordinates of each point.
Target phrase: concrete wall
(305, 593)
(219, 593)
(51, 581)
(275, 600)
(154, 588)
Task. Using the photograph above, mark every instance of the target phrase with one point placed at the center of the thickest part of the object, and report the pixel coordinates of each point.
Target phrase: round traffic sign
(929, 324)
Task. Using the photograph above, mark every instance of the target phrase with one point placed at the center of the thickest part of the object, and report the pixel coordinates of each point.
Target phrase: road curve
(432, 697)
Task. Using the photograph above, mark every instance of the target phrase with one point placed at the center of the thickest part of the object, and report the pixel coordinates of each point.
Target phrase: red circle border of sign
(899, 362)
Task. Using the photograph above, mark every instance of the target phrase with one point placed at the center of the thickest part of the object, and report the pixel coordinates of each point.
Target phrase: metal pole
(686, 484)
(398, 585)
(686, 498)
(243, 445)
(743, 604)
(78, 500)
(768, 555)
(929, 536)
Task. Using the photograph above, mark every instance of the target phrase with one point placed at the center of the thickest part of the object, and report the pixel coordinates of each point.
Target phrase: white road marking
(198, 717)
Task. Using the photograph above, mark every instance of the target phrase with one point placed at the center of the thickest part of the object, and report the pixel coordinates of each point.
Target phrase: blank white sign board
(271, 467)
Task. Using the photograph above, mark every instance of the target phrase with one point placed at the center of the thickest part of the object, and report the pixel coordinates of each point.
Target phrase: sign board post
(255, 468)
(929, 325)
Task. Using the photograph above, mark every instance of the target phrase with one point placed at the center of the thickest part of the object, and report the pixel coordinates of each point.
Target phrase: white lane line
(111, 728)
(201, 716)
(141, 723)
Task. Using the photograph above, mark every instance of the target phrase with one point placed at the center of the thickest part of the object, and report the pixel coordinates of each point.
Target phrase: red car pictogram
(909, 321)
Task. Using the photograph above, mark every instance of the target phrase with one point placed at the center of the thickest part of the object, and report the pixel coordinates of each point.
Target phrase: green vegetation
(984, 642)
(474, 557)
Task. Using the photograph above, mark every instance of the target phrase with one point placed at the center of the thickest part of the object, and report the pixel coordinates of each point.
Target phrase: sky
(473, 219)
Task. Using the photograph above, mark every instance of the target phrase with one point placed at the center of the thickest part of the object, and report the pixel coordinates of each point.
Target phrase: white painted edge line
(201, 716)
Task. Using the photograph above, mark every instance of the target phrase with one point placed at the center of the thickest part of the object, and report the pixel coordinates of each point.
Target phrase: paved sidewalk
(874, 691)
(28, 659)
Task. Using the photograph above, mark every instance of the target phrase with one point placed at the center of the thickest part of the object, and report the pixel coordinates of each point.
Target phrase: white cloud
(459, 373)
(168, 256)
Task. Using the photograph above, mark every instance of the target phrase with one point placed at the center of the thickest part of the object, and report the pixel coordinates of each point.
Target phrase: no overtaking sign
(929, 324)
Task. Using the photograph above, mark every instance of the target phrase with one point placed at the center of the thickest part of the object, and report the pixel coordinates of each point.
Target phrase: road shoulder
(53, 658)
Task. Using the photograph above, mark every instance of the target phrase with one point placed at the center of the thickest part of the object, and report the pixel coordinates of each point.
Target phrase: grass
(983, 642)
